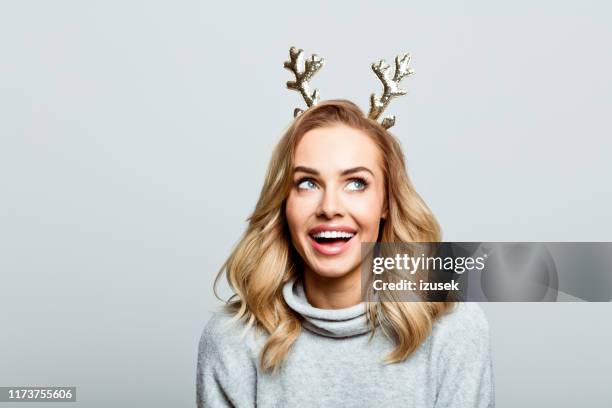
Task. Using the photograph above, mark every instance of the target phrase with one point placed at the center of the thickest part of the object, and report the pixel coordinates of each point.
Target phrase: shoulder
(226, 368)
(219, 327)
(223, 337)
(465, 325)
(461, 354)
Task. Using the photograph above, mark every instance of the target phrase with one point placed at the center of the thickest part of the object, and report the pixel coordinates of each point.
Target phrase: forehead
(337, 147)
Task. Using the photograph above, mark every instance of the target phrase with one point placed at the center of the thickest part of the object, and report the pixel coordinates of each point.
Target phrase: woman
(297, 333)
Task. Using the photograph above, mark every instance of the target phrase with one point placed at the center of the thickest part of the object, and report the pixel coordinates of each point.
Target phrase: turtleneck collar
(347, 322)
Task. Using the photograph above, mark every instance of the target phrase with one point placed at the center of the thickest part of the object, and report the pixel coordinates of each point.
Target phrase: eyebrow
(344, 172)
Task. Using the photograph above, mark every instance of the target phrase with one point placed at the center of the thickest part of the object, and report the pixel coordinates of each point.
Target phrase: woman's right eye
(306, 184)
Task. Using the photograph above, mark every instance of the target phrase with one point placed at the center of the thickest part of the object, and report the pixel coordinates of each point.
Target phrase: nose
(330, 204)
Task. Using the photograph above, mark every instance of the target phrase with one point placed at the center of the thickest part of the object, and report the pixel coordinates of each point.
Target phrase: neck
(332, 292)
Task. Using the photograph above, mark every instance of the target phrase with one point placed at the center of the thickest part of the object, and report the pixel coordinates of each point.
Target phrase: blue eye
(357, 184)
(306, 184)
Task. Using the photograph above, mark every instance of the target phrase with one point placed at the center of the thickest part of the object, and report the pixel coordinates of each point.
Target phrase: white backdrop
(134, 137)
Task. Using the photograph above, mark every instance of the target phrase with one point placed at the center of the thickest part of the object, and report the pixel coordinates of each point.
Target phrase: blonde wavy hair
(264, 258)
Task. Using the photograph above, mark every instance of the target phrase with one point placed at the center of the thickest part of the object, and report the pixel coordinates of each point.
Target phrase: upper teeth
(333, 234)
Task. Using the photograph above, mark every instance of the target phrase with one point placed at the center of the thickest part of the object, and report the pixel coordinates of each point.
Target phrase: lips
(331, 239)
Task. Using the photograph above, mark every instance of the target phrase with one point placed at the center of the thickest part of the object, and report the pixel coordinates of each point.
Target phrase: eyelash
(358, 179)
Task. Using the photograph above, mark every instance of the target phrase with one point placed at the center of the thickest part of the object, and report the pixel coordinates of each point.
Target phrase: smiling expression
(337, 199)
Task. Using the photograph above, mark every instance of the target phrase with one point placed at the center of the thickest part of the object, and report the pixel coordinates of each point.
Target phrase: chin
(333, 269)
(330, 273)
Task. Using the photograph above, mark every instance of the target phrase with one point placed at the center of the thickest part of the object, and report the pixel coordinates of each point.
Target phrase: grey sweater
(333, 365)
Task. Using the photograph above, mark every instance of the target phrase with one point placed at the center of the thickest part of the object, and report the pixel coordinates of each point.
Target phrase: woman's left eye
(357, 184)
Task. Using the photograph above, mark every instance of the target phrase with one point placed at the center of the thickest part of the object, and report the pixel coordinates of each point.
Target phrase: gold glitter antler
(390, 87)
(302, 76)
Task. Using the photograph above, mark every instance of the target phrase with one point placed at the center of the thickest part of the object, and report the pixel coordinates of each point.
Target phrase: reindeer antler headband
(312, 65)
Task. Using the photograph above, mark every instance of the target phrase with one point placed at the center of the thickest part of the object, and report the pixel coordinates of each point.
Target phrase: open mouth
(331, 242)
(332, 237)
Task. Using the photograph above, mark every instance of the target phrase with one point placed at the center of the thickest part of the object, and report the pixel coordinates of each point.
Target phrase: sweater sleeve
(465, 371)
(226, 373)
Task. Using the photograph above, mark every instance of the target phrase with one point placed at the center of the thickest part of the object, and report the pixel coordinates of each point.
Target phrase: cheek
(368, 212)
(290, 213)
(297, 212)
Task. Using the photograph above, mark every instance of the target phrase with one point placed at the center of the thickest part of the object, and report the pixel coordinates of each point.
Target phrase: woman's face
(337, 199)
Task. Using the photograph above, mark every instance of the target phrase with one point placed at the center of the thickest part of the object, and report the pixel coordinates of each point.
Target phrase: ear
(385, 214)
